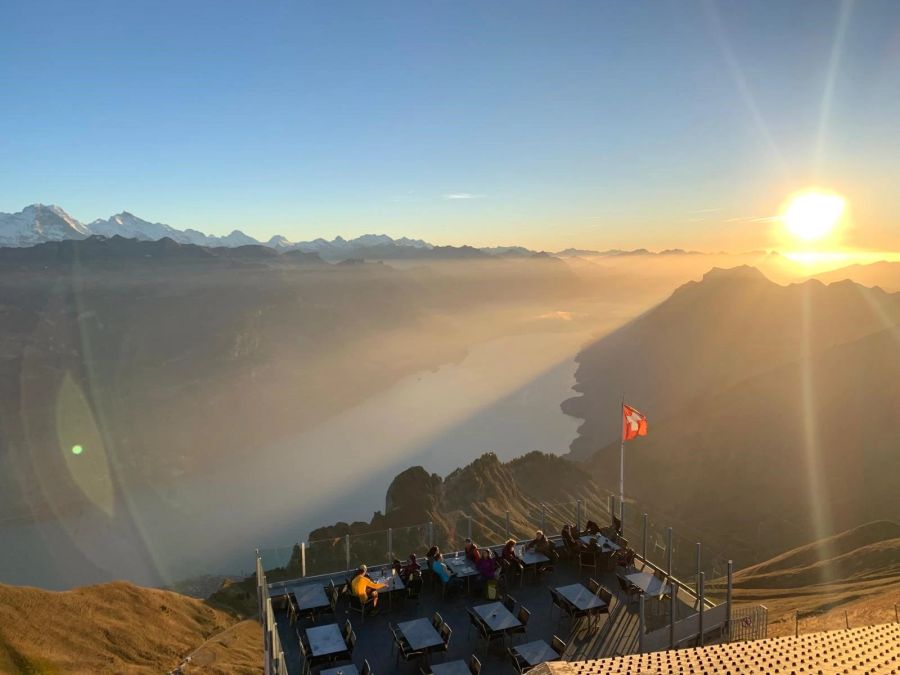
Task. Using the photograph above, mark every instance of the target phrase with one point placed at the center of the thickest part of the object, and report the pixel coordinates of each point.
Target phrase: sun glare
(813, 215)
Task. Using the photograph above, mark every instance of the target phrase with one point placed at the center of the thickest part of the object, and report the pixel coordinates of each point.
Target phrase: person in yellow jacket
(364, 588)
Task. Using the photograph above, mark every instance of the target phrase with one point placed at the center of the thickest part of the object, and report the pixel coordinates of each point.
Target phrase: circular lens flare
(813, 215)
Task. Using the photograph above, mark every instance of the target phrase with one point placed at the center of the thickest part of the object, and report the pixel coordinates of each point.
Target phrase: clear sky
(548, 124)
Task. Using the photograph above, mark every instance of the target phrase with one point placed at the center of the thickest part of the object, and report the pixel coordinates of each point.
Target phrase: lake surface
(503, 397)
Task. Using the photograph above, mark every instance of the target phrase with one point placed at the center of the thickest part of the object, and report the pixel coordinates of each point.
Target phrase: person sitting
(509, 551)
(406, 571)
(541, 544)
(570, 541)
(439, 567)
(592, 528)
(488, 566)
(364, 588)
(472, 552)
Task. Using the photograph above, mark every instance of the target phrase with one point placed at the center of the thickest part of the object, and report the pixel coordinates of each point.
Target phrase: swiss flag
(634, 423)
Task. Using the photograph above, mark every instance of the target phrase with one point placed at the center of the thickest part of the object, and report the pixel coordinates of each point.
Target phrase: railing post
(669, 552)
(622, 515)
(641, 624)
(645, 538)
(430, 534)
(578, 515)
(544, 520)
(302, 558)
(700, 592)
(469, 526)
(697, 587)
(347, 549)
(390, 543)
(507, 524)
(728, 597)
(673, 587)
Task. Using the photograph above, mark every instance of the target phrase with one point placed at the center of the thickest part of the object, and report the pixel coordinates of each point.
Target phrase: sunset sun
(813, 215)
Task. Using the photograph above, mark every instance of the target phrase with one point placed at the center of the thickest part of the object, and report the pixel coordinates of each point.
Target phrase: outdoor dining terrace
(554, 610)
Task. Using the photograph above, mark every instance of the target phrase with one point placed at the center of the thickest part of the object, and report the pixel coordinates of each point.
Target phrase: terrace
(672, 611)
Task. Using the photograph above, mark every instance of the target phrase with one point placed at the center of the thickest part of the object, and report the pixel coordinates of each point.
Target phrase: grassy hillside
(852, 577)
(119, 627)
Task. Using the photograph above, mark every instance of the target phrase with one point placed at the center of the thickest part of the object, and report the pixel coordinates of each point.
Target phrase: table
(310, 597)
(603, 543)
(451, 668)
(535, 653)
(650, 584)
(326, 640)
(496, 617)
(393, 583)
(461, 567)
(349, 669)
(581, 598)
(533, 558)
(420, 634)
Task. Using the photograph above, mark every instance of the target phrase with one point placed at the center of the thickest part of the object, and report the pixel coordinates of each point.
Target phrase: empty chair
(474, 665)
(606, 597)
(445, 632)
(518, 663)
(631, 591)
(437, 620)
(351, 642)
(348, 628)
(587, 560)
(558, 646)
(510, 603)
(523, 616)
(414, 586)
(593, 586)
(366, 668)
(304, 654)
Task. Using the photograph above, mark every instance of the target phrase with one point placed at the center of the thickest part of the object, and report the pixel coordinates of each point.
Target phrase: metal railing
(748, 622)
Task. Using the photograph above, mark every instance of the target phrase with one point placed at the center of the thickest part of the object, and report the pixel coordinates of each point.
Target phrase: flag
(634, 423)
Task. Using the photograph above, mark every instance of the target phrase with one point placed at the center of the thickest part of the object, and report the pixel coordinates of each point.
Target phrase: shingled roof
(871, 650)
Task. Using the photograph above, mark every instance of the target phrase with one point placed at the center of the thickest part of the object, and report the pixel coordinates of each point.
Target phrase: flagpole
(622, 455)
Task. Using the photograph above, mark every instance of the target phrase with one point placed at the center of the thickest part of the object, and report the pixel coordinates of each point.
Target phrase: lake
(504, 397)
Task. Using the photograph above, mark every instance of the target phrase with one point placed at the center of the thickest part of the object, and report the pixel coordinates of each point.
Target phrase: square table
(581, 598)
(451, 668)
(604, 544)
(650, 584)
(420, 634)
(310, 597)
(533, 558)
(496, 617)
(349, 669)
(461, 567)
(393, 583)
(326, 640)
(535, 653)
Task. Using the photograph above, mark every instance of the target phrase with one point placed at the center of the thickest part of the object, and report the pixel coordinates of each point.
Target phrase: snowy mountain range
(41, 223)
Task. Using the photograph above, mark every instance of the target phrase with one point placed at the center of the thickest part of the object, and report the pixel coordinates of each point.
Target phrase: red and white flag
(634, 423)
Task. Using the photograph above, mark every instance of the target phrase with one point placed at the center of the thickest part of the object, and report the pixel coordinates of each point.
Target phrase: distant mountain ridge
(41, 223)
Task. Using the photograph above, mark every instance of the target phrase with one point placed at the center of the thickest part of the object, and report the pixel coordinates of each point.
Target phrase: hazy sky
(542, 123)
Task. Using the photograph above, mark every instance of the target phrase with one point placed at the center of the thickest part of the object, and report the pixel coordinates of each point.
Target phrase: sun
(813, 215)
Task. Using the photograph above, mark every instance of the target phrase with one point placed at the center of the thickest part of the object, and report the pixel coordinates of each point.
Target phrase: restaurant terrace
(639, 588)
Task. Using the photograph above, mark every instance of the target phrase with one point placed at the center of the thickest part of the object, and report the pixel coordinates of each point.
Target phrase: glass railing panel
(326, 556)
(412, 539)
(369, 548)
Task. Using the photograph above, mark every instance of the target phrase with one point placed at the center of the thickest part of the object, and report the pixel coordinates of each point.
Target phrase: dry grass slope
(119, 628)
(852, 577)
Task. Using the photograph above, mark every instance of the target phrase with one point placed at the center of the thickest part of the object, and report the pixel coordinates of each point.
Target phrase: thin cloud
(752, 219)
(462, 195)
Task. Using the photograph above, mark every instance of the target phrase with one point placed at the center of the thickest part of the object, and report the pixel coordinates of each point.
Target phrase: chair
(474, 665)
(518, 663)
(414, 586)
(445, 632)
(558, 646)
(621, 541)
(593, 586)
(437, 621)
(486, 633)
(510, 603)
(587, 560)
(366, 668)
(351, 642)
(348, 628)
(606, 596)
(304, 654)
(399, 640)
(523, 616)
(631, 591)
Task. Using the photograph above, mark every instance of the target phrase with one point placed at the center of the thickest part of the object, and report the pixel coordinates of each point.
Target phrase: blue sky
(553, 124)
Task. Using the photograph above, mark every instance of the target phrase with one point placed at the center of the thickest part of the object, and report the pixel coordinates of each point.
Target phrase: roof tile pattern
(873, 650)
